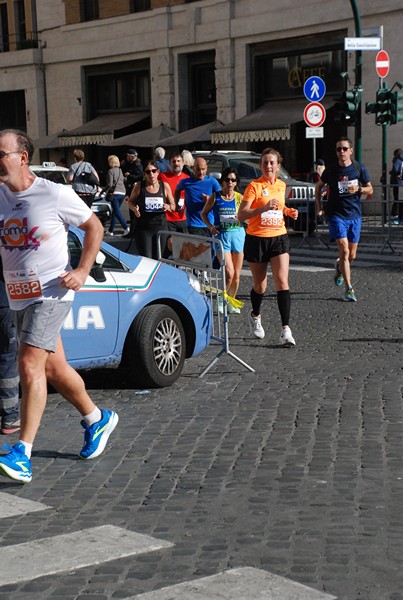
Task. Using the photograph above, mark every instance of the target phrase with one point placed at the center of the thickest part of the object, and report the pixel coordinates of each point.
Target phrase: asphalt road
(295, 470)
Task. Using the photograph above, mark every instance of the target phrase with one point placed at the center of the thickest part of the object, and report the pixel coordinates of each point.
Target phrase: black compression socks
(284, 306)
(256, 300)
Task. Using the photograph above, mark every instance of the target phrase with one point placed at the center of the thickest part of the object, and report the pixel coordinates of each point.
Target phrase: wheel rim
(167, 346)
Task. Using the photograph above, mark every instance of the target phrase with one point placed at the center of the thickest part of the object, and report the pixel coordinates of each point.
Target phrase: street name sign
(364, 43)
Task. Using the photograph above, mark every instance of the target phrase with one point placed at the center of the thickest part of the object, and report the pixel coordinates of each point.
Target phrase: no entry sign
(382, 63)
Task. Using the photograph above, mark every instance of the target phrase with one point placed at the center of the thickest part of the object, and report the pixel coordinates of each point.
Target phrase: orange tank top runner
(271, 222)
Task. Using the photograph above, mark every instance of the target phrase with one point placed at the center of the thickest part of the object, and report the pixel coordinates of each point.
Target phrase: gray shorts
(39, 324)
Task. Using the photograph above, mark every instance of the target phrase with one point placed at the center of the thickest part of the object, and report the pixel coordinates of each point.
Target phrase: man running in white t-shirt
(34, 217)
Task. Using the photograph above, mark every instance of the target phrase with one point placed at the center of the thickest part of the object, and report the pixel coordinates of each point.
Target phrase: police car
(137, 313)
(49, 170)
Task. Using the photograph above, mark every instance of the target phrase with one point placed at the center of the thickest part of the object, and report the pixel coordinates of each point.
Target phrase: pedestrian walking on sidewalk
(263, 207)
(347, 180)
(35, 214)
(396, 180)
(83, 177)
(116, 192)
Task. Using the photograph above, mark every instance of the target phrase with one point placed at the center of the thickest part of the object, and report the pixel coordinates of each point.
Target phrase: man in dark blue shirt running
(346, 181)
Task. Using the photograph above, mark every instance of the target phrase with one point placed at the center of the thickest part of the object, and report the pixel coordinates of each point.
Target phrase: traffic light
(370, 107)
(348, 106)
(383, 114)
(396, 107)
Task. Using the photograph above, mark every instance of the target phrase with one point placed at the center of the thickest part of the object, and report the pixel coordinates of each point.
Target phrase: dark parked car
(299, 194)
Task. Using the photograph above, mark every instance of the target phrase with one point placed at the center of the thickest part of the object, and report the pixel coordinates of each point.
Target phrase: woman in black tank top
(149, 201)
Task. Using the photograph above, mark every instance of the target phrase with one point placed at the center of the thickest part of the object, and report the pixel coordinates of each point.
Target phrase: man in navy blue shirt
(346, 181)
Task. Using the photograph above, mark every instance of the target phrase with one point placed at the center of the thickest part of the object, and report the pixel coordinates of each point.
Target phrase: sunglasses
(4, 154)
(228, 179)
(148, 171)
(342, 148)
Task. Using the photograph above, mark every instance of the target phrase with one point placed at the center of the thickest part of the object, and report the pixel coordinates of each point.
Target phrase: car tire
(157, 346)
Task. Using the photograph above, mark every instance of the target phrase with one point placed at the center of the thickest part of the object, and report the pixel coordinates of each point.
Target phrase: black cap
(132, 151)
(320, 161)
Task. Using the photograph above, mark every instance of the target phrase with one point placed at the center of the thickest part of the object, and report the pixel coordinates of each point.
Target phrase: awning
(191, 136)
(148, 138)
(101, 129)
(270, 122)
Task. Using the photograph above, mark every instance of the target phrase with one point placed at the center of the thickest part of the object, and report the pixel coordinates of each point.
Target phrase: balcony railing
(10, 43)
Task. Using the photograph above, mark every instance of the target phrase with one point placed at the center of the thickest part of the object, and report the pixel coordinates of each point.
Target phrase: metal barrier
(379, 223)
(304, 201)
(198, 255)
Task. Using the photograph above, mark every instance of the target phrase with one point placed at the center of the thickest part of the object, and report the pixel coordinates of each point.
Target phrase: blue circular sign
(314, 89)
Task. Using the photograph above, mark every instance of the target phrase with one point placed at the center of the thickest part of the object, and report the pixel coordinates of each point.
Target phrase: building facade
(82, 72)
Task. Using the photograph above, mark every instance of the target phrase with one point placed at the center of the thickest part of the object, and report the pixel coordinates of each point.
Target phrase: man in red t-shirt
(176, 220)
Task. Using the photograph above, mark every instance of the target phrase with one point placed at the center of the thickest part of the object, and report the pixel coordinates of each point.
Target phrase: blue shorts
(233, 240)
(345, 228)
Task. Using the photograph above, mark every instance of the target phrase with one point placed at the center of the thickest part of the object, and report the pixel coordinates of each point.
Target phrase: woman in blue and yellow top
(227, 226)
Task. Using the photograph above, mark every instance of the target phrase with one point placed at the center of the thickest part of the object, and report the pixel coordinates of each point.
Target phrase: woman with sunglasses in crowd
(263, 206)
(150, 200)
(231, 232)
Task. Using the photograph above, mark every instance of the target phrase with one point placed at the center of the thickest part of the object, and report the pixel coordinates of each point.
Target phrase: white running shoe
(232, 310)
(126, 231)
(286, 338)
(256, 326)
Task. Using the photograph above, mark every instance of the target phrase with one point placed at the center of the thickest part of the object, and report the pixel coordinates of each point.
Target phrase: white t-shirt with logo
(33, 240)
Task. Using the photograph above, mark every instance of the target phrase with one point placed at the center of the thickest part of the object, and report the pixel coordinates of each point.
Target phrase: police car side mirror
(98, 273)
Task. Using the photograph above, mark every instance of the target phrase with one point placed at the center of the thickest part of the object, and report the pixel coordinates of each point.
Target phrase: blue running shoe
(16, 464)
(350, 295)
(96, 435)
(338, 277)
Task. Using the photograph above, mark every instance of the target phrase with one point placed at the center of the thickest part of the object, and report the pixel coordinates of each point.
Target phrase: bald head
(199, 168)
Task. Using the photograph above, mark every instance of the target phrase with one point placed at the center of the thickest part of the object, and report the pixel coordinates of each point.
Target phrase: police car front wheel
(157, 346)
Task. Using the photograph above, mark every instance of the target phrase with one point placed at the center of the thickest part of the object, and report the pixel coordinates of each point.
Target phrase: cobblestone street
(295, 469)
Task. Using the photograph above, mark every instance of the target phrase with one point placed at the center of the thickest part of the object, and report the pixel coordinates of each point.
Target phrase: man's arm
(94, 232)
(367, 189)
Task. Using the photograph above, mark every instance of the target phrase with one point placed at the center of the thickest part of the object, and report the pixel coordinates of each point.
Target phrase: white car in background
(52, 172)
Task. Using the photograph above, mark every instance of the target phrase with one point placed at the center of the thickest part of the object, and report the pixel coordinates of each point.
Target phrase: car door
(90, 330)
